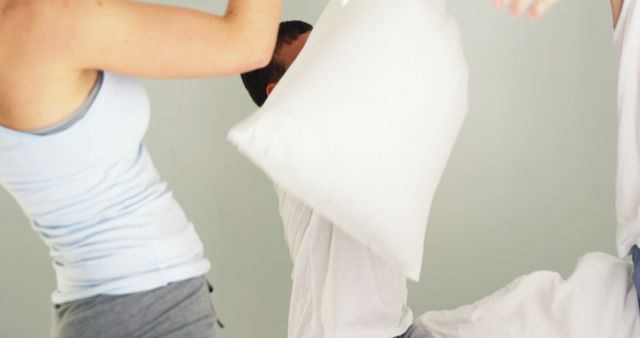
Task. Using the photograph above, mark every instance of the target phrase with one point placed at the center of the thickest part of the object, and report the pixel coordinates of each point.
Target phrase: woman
(128, 262)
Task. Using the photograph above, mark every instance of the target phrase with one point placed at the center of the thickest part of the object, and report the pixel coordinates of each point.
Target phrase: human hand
(534, 8)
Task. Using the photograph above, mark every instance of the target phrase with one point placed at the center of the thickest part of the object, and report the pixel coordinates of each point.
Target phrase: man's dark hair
(257, 81)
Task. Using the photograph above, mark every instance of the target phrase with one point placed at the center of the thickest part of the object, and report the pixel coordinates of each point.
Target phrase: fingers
(541, 7)
(535, 8)
(519, 6)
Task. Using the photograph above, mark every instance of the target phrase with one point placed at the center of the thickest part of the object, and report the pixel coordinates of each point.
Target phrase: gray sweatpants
(416, 332)
(183, 309)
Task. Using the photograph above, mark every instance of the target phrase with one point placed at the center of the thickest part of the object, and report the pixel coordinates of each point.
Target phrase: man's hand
(535, 8)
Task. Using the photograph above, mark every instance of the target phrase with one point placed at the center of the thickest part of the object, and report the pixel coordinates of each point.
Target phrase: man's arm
(616, 9)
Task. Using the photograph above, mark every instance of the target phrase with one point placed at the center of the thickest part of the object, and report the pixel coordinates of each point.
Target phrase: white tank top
(96, 199)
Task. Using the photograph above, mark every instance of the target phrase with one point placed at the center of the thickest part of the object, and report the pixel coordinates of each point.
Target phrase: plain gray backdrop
(529, 185)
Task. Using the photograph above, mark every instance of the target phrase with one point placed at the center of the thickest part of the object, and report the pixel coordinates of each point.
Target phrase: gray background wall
(529, 185)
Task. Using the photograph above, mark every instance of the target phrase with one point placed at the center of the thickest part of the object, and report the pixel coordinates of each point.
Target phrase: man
(340, 288)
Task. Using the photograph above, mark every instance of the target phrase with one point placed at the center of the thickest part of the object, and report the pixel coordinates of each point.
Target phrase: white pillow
(597, 301)
(361, 126)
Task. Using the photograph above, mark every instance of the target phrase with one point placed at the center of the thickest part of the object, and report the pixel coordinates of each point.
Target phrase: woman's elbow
(256, 47)
(257, 57)
(263, 57)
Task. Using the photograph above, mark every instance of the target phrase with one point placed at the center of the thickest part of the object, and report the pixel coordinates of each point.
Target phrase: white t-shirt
(627, 39)
(340, 288)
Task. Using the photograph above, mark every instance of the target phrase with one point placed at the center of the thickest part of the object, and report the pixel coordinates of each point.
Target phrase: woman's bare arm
(150, 40)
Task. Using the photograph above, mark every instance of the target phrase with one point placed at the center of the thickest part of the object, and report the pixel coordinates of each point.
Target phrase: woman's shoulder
(13, 10)
(25, 23)
(31, 53)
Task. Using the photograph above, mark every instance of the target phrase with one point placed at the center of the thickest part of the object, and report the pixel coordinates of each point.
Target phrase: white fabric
(627, 39)
(597, 301)
(362, 124)
(340, 288)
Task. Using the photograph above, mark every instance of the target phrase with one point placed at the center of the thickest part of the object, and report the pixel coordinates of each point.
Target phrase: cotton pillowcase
(362, 125)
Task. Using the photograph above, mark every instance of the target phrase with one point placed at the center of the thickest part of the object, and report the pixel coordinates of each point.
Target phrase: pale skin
(616, 8)
(51, 50)
(534, 8)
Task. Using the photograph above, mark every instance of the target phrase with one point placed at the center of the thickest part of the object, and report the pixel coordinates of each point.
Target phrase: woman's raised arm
(150, 40)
